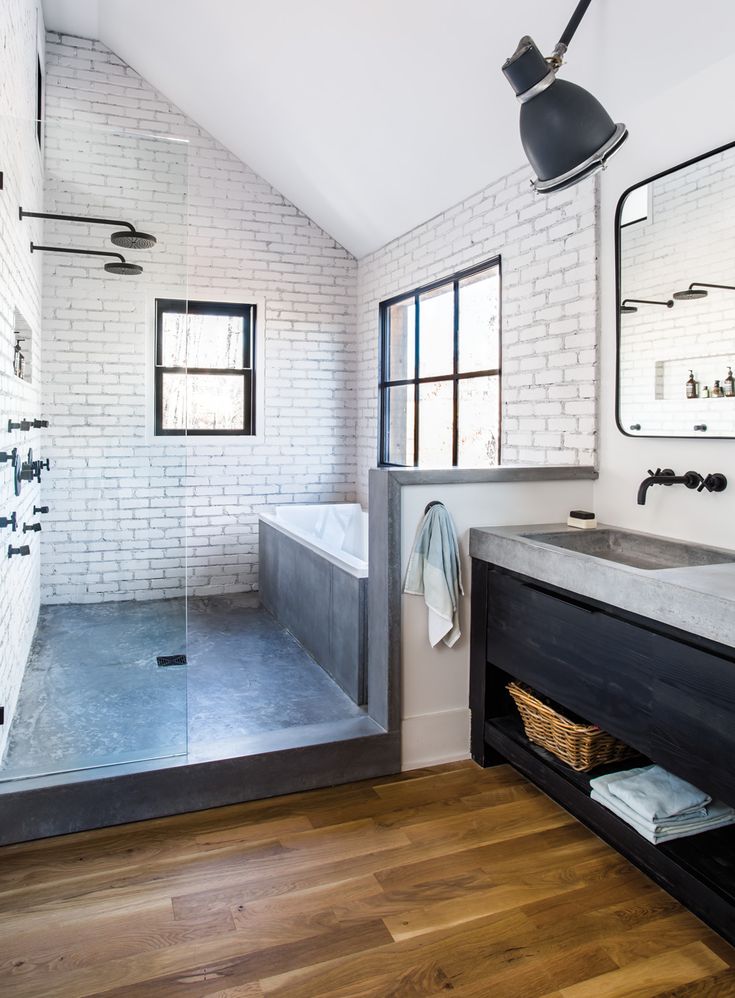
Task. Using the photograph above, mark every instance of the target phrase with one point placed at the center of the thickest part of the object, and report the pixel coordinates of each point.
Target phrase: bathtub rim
(353, 566)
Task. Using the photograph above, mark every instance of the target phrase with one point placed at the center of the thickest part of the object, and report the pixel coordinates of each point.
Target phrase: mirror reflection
(676, 305)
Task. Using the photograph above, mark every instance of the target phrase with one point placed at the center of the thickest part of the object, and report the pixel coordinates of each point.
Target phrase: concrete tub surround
(699, 599)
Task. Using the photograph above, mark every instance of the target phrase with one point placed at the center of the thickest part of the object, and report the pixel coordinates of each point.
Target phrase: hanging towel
(657, 795)
(434, 573)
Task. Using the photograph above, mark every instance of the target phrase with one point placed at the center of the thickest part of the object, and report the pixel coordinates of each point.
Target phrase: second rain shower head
(698, 290)
(119, 266)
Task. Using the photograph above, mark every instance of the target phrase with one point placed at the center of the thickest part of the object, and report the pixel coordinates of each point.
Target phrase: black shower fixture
(697, 290)
(121, 266)
(629, 305)
(566, 133)
(128, 238)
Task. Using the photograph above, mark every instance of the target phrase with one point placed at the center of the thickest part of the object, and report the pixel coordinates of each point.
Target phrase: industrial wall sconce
(566, 133)
(630, 305)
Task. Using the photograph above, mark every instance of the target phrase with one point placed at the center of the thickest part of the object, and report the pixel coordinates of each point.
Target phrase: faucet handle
(713, 483)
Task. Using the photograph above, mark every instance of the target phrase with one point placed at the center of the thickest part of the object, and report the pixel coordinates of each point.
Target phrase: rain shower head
(128, 237)
(697, 290)
(120, 266)
(123, 268)
(630, 304)
(132, 239)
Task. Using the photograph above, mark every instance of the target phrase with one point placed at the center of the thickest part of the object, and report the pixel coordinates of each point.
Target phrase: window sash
(455, 376)
(246, 372)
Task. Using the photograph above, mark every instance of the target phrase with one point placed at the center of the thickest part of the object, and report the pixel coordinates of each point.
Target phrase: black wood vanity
(665, 692)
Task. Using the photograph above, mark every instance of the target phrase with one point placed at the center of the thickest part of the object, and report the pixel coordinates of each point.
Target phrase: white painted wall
(21, 32)
(687, 120)
(436, 680)
(548, 248)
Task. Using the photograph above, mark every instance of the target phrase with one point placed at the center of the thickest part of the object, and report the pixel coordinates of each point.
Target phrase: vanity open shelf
(666, 693)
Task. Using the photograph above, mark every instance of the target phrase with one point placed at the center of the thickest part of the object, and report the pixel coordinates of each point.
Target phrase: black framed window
(440, 370)
(204, 371)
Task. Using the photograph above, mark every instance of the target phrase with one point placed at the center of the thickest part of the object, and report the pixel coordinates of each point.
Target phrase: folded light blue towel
(663, 830)
(434, 573)
(655, 794)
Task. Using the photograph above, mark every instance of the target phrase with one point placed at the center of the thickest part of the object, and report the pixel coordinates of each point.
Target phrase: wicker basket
(581, 746)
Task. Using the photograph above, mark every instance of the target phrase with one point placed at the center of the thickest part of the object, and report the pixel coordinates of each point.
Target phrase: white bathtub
(337, 531)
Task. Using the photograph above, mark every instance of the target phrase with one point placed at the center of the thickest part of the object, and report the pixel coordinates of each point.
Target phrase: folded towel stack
(659, 805)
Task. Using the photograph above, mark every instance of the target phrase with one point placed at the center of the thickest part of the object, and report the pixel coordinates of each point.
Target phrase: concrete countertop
(698, 599)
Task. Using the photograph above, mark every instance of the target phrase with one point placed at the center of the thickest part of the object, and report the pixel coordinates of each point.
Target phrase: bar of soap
(581, 518)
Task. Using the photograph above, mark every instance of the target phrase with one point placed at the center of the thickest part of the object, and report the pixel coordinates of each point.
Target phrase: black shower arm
(74, 218)
(701, 284)
(69, 249)
(646, 301)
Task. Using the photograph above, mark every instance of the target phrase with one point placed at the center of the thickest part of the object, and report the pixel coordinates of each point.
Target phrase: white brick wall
(548, 247)
(20, 288)
(130, 518)
(687, 237)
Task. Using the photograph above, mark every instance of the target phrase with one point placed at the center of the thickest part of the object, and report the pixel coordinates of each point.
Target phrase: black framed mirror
(675, 287)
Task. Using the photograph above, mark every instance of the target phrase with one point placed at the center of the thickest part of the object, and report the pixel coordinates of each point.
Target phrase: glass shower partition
(94, 615)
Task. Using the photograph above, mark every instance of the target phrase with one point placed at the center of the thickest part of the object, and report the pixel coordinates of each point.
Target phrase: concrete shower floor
(93, 694)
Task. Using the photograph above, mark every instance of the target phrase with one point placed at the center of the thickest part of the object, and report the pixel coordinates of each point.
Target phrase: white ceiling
(374, 115)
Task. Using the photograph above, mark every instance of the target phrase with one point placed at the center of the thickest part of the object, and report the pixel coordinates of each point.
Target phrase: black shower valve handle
(10, 521)
(23, 550)
(27, 472)
(23, 424)
(715, 482)
(31, 528)
(39, 509)
(39, 424)
(10, 455)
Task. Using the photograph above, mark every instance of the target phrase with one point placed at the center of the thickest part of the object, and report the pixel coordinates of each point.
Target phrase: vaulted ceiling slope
(375, 115)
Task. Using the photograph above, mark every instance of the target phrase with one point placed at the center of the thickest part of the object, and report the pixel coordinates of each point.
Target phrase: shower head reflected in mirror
(697, 290)
(120, 266)
(630, 305)
(128, 237)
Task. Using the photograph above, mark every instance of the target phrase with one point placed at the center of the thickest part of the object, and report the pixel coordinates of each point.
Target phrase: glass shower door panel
(104, 681)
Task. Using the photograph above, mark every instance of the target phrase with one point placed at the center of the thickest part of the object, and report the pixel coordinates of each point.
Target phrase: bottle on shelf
(691, 387)
(729, 384)
(717, 391)
(705, 392)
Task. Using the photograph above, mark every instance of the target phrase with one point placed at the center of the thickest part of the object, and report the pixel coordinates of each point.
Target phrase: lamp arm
(557, 56)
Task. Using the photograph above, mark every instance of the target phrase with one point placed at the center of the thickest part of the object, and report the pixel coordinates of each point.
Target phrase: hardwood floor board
(449, 880)
(638, 980)
(93, 940)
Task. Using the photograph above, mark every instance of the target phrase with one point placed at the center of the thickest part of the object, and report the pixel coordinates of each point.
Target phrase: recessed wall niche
(23, 347)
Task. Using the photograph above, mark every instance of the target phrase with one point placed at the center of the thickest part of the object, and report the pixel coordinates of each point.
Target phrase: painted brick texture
(20, 290)
(134, 518)
(548, 247)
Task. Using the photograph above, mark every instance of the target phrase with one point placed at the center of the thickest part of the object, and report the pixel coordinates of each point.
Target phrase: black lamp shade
(566, 133)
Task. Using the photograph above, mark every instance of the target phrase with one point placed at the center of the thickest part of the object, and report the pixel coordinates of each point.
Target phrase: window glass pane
(401, 341)
(436, 332)
(203, 402)
(479, 322)
(212, 340)
(435, 424)
(479, 422)
(399, 415)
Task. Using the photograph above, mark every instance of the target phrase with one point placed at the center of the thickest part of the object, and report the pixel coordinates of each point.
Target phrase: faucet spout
(692, 480)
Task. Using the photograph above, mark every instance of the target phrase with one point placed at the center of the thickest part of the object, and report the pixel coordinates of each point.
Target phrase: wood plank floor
(445, 880)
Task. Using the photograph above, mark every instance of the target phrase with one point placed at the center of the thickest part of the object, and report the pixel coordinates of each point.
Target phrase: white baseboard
(432, 739)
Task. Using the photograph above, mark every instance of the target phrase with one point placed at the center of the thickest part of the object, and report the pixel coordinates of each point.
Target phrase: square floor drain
(171, 659)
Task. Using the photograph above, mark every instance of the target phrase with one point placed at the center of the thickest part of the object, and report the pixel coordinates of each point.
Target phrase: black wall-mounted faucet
(27, 527)
(9, 521)
(23, 550)
(691, 479)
